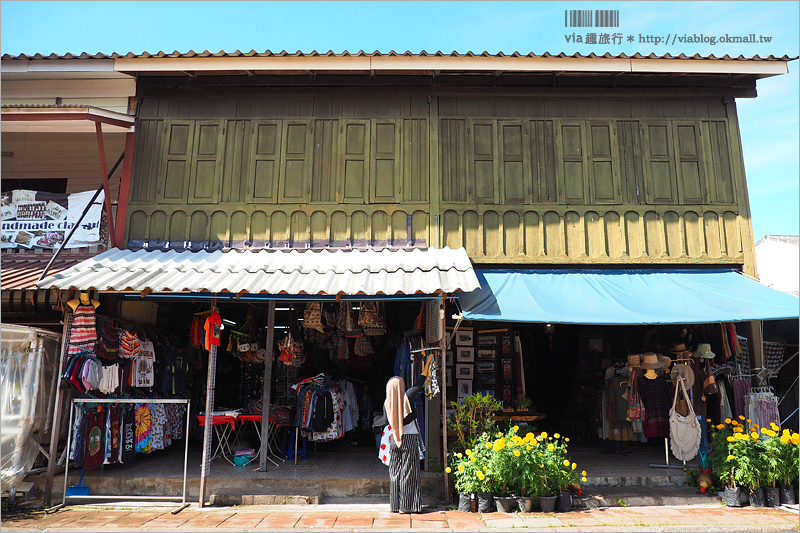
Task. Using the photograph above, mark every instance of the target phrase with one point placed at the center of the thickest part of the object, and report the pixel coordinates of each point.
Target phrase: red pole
(124, 188)
(106, 188)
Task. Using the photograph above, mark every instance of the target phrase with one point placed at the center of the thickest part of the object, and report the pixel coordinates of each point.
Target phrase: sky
(768, 123)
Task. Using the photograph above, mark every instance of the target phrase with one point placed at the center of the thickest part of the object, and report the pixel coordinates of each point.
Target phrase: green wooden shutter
(235, 166)
(604, 188)
(659, 164)
(207, 162)
(691, 175)
(174, 188)
(265, 161)
(573, 169)
(385, 172)
(325, 167)
(296, 164)
(543, 161)
(355, 141)
(483, 162)
(718, 163)
(453, 158)
(514, 170)
(630, 157)
(147, 159)
(415, 160)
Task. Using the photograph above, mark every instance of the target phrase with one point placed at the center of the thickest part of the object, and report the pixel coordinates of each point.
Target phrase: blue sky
(769, 123)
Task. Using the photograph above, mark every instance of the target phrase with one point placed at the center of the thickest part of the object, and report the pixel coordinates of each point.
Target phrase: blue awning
(626, 296)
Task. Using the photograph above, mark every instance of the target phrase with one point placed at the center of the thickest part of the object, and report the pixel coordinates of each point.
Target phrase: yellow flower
(730, 439)
(516, 453)
(566, 439)
(499, 434)
(796, 439)
(720, 426)
(448, 470)
(739, 436)
(488, 445)
(713, 435)
(574, 466)
(771, 433)
(472, 459)
(774, 426)
(539, 438)
(543, 435)
(741, 417)
(566, 462)
(731, 458)
(516, 428)
(541, 466)
(764, 430)
(485, 468)
(481, 476)
(785, 439)
(734, 423)
(468, 452)
(754, 435)
(565, 452)
(748, 421)
(583, 473)
(727, 420)
(460, 468)
(528, 447)
(708, 420)
(756, 425)
(557, 436)
(583, 479)
(551, 447)
(738, 430)
(459, 455)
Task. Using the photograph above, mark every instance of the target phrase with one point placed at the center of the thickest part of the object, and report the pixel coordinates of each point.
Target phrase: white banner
(32, 219)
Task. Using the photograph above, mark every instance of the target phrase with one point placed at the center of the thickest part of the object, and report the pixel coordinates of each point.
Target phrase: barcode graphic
(583, 18)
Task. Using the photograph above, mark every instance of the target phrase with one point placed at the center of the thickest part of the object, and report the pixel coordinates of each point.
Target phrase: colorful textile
(129, 345)
(144, 425)
(212, 327)
(655, 395)
(94, 440)
(83, 332)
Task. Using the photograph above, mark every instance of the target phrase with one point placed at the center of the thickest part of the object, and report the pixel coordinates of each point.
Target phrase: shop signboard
(32, 219)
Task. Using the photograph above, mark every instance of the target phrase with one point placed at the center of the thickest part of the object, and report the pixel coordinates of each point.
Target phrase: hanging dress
(656, 397)
(83, 333)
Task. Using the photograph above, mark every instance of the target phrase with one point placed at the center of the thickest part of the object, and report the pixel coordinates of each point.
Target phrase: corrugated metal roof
(361, 53)
(302, 272)
(20, 271)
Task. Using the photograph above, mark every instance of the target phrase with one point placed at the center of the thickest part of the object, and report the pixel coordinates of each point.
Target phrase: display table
(224, 427)
(273, 430)
(521, 417)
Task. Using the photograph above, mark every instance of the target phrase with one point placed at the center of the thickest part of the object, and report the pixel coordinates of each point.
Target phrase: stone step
(642, 496)
(229, 497)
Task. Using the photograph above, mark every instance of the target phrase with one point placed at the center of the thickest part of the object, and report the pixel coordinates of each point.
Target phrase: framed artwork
(464, 387)
(448, 358)
(464, 338)
(487, 355)
(448, 377)
(485, 368)
(487, 340)
(465, 371)
(465, 355)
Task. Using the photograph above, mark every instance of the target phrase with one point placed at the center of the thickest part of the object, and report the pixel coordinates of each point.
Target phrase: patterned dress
(657, 399)
(83, 333)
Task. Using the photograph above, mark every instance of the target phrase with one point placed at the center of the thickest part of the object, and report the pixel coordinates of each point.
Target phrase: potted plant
(523, 404)
(552, 467)
(772, 460)
(466, 479)
(789, 469)
(527, 479)
(472, 417)
(726, 461)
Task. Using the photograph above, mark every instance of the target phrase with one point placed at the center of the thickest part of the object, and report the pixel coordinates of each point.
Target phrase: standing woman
(404, 476)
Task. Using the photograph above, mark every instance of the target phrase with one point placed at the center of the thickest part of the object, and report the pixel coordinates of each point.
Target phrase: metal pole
(66, 461)
(186, 449)
(55, 431)
(205, 467)
(267, 386)
(443, 387)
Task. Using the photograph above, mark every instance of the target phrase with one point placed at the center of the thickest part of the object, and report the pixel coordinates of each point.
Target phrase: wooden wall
(512, 179)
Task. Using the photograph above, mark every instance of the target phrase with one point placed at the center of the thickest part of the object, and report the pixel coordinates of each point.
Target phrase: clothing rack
(428, 349)
(73, 406)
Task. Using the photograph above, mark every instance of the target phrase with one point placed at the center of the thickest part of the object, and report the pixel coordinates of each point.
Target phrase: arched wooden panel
(359, 229)
(178, 226)
(320, 234)
(137, 228)
(198, 230)
(259, 229)
(674, 234)
(157, 234)
(452, 235)
(693, 230)
(473, 238)
(513, 242)
(380, 228)
(574, 235)
(279, 230)
(419, 228)
(615, 235)
(492, 232)
(733, 240)
(400, 233)
(300, 230)
(340, 233)
(534, 246)
(654, 235)
(553, 235)
(634, 235)
(595, 235)
(239, 236)
(713, 234)
(218, 229)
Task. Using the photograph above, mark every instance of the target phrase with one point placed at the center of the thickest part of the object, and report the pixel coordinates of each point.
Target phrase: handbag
(635, 406)
(385, 448)
(312, 316)
(710, 384)
(684, 431)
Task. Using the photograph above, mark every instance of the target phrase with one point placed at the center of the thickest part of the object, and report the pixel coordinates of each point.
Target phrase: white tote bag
(684, 431)
(385, 449)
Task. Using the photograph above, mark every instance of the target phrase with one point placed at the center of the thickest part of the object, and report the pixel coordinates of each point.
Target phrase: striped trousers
(405, 485)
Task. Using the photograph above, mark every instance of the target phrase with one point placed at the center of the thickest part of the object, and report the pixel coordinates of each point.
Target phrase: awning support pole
(443, 387)
(265, 400)
(55, 431)
(124, 188)
(112, 237)
(755, 351)
(206, 464)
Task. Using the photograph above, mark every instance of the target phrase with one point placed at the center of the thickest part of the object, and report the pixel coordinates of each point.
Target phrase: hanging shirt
(127, 424)
(129, 345)
(212, 327)
(178, 357)
(143, 365)
(144, 424)
(109, 381)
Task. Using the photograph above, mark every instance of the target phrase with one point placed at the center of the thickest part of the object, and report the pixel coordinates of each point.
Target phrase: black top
(411, 394)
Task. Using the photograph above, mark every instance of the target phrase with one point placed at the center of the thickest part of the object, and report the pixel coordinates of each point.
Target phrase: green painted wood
(146, 160)
(733, 239)
(178, 226)
(452, 234)
(453, 168)
(674, 238)
(137, 228)
(532, 228)
(326, 162)
(635, 237)
(695, 235)
(714, 235)
(235, 169)
(218, 228)
(239, 230)
(575, 235)
(515, 168)
(158, 226)
(355, 189)
(483, 162)
(381, 229)
(415, 166)
(259, 228)
(299, 229)
(513, 235)
(553, 230)
(279, 230)
(473, 234)
(631, 172)
(543, 161)
(654, 238)
(594, 231)
(385, 162)
(295, 163)
(492, 234)
(604, 181)
(691, 171)
(420, 227)
(198, 227)
(177, 162)
(340, 232)
(614, 234)
(359, 228)
(206, 170)
(718, 165)
(265, 161)
(660, 181)
(572, 163)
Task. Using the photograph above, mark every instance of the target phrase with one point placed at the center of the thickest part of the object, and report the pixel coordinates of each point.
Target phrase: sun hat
(684, 371)
(633, 361)
(651, 360)
(704, 351)
(679, 349)
(667, 361)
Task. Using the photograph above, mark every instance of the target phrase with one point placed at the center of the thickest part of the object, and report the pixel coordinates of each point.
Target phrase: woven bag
(684, 431)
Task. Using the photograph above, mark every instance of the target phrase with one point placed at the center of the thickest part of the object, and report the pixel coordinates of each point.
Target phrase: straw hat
(680, 349)
(633, 361)
(704, 351)
(651, 360)
(667, 361)
(684, 371)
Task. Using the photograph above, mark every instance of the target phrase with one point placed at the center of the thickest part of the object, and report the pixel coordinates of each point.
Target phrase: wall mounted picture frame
(487, 340)
(486, 367)
(465, 371)
(487, 354)
(448, 377)
(465, 355)
(464, 388)
(448, 358)
(464, 338)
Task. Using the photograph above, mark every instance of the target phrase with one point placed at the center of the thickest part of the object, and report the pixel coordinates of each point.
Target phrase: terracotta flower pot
(547, 503)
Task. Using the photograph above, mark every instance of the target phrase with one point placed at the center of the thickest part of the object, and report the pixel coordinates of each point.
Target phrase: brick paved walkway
(666, 518)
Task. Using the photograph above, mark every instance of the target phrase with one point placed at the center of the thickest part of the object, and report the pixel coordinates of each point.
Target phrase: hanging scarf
(396, 407)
